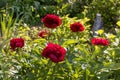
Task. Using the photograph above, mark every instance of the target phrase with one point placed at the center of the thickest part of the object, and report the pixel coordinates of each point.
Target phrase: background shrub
(109, 9)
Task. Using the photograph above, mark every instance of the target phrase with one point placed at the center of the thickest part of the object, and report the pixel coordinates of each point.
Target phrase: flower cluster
(43, 33)
(77, 27)
(99, 41)
(54, 52)
(16, 43)
(51, 21)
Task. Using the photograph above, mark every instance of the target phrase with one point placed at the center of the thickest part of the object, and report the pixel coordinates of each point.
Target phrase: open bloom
(43, 33)
(99, 41)
(16, 43)
(77, 27)
(51, 21)
(54, 52)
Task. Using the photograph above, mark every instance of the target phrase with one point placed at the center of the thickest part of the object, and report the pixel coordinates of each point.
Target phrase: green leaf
(97, 50)
(116, 66)
(3, 26)
(39, 40)
(76, 75)
(10, 18)
(68, 42)
(112, 66)
(69, 66)
(32, 8)
(84, 51)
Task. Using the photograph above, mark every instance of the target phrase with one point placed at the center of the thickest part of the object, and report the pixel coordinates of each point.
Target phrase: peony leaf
(32, 8)
(37, 15)
(68, 42)
(39, 40)
(83, 21)
(112, 66)
(27, 38)
(76, 75)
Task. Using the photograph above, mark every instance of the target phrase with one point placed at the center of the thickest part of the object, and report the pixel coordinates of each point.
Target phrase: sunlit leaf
(39, 40)
(69, 42)
(100, 31)
(118, 23)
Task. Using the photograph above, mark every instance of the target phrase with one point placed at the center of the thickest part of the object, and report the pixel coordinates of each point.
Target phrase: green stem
(54, 70)
(86, 75)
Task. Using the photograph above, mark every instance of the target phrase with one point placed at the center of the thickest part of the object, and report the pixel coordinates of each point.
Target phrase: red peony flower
(54, 52)
(76, 27)
(99, 41)
(16, 43)
(51, 21)
(43, 33)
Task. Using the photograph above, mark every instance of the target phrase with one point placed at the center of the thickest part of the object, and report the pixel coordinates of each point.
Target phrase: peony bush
(62, 49)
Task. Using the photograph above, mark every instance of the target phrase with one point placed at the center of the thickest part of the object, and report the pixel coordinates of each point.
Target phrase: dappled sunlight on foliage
(61, 47)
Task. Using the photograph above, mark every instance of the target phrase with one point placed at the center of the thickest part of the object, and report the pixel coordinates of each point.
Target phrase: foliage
(8, 26)
(82, 61)
(109, 9)
(32, 10)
